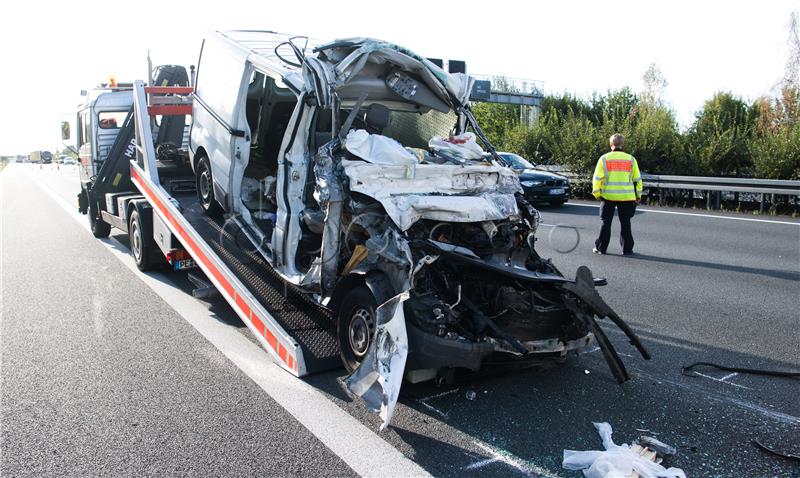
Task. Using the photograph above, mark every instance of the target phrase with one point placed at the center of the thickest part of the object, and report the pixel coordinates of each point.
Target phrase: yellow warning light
(112, 82)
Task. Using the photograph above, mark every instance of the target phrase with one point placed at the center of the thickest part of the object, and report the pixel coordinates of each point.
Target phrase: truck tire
(355, 325)
(100, 228)
(142, 253)
(205, 188)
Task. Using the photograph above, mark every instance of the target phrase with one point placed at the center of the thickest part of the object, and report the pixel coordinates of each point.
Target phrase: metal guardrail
(743, 185)
(762, 187)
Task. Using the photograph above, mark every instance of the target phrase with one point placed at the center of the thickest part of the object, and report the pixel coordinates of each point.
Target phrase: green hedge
(728, 137)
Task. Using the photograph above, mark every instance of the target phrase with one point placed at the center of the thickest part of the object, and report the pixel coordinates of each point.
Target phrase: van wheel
(100, 228)
(141, 252)
(205, 188)
(355, 326)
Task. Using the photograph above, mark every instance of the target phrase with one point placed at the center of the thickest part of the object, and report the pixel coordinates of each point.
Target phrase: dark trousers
(626, 211)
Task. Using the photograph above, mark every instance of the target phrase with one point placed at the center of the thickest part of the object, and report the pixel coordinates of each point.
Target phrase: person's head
(616, 141)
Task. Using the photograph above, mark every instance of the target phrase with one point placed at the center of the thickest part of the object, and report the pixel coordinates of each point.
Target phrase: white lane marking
(433, 409)
(481, 464)
(778, 416)
(363, 451)
(699, 215)
(721, 380)
(528, 469)
(730, 375)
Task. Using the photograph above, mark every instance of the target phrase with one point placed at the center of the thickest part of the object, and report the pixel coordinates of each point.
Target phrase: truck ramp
(312, 326)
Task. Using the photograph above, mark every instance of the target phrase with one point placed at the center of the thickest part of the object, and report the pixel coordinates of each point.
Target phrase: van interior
(268, 109)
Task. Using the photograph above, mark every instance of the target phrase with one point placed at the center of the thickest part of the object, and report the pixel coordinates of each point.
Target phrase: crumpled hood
(338, 61)
(442, 192)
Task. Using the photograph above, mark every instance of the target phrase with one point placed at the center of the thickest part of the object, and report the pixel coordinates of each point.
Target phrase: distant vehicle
(66, 160)
(20, 159)
(539, 186)
(44, 157)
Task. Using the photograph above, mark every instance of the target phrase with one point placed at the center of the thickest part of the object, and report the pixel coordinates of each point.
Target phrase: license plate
(185, 264)
(553, 192)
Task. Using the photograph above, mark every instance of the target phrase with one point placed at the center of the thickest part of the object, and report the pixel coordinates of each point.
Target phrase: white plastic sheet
(377, 149)
(617, 461)
(462, 147)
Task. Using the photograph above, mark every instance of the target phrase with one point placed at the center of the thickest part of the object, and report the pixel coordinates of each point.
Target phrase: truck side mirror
(65, 133)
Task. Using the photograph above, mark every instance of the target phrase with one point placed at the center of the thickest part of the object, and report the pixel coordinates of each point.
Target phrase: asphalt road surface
(107, 371)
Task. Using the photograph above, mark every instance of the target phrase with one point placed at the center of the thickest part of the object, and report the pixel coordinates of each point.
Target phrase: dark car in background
(539, 186)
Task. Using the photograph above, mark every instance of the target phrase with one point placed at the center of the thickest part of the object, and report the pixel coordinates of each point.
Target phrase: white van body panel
(219, 109)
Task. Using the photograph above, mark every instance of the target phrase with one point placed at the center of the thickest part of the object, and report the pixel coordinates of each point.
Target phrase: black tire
(100, 228)
(558, 202)
(205, 188)
(355, 326)
(142, 254)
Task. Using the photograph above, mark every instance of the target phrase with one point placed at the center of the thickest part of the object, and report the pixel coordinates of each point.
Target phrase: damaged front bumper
(428, 351)
(400, 347)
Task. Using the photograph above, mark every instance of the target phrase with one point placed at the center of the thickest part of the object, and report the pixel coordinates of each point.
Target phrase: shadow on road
(778, 274)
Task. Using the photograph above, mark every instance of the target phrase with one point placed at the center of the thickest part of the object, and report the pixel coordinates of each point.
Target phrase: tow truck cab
(105, 143)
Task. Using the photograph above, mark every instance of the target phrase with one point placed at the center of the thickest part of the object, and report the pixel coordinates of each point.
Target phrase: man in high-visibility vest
(618, 183)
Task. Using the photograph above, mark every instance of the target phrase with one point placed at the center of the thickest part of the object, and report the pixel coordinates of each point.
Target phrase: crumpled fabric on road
(617, 461)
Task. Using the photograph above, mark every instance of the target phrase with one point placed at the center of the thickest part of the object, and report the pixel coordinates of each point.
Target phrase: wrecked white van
(358, 171)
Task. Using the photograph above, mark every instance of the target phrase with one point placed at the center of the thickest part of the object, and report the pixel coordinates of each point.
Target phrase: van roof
(266, 43)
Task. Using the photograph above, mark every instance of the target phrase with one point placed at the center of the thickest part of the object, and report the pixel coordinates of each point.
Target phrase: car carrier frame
(164, 217)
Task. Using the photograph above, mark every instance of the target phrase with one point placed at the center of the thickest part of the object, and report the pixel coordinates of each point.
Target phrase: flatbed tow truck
(455, 284)
(154, 200)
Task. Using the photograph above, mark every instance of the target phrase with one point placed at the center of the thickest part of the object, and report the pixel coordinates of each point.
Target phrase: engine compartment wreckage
(418, 238)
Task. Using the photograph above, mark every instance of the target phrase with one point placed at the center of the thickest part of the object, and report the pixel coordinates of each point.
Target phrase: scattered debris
(618, 460)
(470, 395)
(656, 445)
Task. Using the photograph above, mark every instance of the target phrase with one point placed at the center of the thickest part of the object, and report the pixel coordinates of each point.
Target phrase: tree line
(729, 136)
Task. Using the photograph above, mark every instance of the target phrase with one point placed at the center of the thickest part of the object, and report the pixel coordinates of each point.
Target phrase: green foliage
(718, 141)
(496, 120)
(777, 155)
(656, 142)
(775, 147)
(728, 138)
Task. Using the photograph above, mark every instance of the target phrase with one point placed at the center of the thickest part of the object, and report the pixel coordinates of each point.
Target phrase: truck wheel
(99, 227)
(141, 252)
(205, 188)
(355, 326)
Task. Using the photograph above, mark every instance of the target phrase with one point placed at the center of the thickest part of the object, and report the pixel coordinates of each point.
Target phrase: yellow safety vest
(617, 177)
